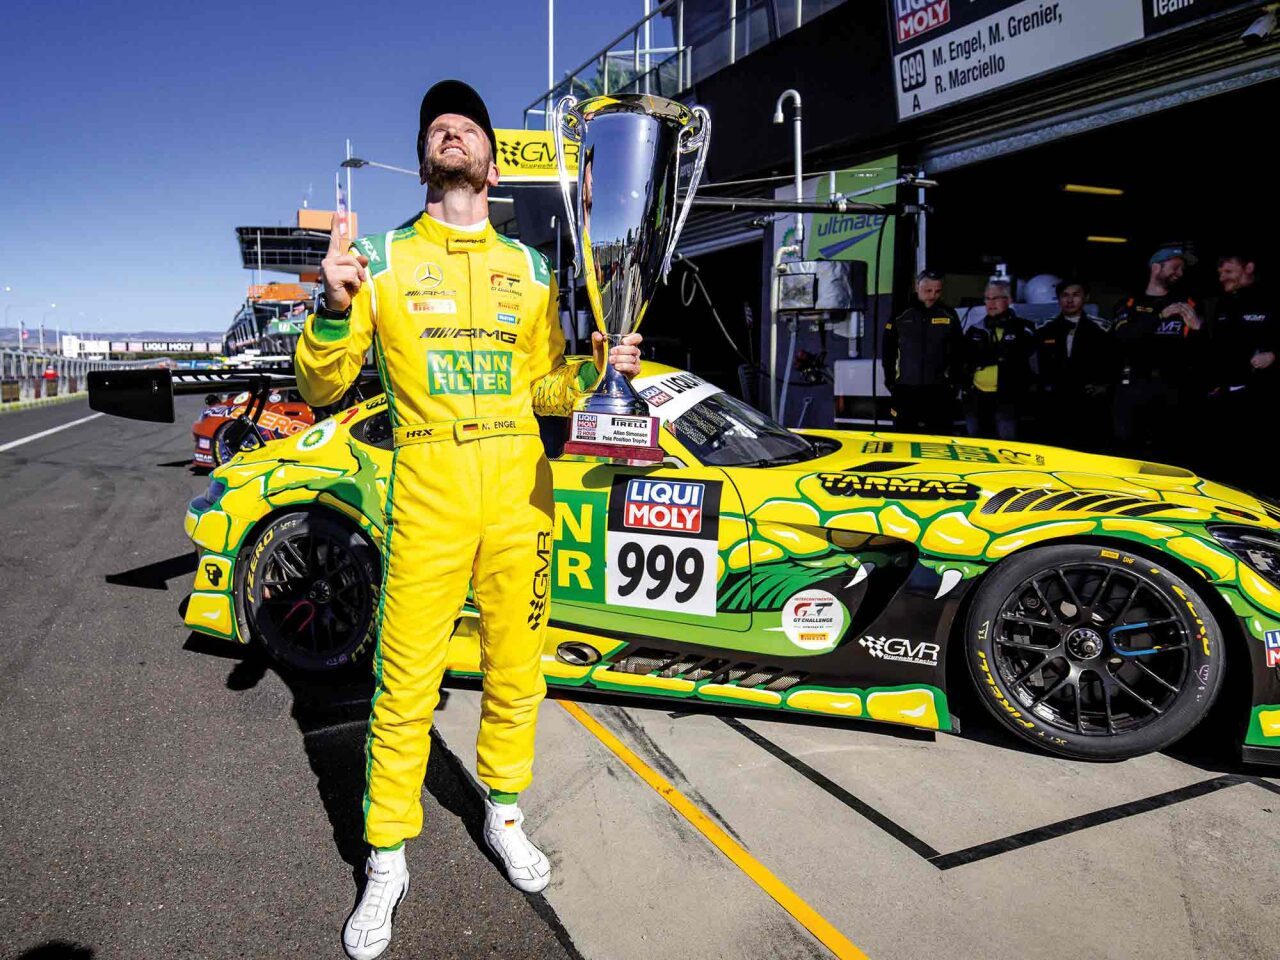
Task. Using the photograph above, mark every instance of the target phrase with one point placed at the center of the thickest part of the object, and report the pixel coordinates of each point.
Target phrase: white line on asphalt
(44, 433)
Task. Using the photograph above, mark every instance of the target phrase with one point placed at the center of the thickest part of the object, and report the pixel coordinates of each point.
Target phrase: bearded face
(457, 154)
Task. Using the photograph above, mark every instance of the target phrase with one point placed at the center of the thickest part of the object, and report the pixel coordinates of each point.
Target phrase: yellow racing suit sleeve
(557, 383)
(330, 353)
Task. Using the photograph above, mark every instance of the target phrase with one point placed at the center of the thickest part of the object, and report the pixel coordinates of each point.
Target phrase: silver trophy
(624, 226)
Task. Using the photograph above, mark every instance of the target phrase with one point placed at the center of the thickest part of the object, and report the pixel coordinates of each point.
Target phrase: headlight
(211, 496)
(1260, 549)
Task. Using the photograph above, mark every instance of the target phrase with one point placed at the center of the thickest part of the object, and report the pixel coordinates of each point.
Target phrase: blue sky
(137, 136)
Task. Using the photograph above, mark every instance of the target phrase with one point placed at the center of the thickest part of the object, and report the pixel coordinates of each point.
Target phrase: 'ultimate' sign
(663, 505)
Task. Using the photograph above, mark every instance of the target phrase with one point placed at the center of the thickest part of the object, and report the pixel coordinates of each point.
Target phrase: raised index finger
(336, 240)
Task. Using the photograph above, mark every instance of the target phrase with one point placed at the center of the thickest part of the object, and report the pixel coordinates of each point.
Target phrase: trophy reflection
(624, 227)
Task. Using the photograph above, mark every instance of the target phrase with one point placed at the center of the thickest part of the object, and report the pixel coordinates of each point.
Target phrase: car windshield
(723, 431)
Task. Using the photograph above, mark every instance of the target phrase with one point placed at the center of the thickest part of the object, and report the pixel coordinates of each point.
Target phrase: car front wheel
(308, 591)
(1092, 652)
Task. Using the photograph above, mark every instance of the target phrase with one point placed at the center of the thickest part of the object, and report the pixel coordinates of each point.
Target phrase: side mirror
(211, 400)
(133, 394)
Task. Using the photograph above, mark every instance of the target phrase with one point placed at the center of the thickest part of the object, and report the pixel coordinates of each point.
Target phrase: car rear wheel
(1093, 653)
(221, 450)
(308, 591)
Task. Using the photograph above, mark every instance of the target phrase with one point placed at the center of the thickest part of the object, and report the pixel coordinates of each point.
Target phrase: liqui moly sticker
(671, 394)
(666, 505)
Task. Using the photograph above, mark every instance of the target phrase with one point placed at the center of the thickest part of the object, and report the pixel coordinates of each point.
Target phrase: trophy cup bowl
(624, 223)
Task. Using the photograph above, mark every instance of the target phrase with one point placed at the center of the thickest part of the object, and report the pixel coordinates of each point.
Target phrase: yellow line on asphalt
(805, 915)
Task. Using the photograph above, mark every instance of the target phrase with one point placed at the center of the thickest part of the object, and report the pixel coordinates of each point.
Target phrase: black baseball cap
(453, 96)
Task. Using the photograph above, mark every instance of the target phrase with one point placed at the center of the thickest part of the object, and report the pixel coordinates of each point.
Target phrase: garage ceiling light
(1097, 239)
(1095, 191)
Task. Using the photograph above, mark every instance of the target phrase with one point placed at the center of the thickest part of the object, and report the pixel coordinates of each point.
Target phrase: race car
(1095, 604)
(284, 414)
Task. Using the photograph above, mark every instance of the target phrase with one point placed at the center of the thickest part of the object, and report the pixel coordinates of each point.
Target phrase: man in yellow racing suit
(465, 331)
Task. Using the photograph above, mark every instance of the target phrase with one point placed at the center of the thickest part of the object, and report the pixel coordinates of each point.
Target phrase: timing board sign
(946, 51)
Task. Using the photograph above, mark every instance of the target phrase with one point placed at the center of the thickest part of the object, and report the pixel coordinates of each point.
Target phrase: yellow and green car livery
(1093, 603)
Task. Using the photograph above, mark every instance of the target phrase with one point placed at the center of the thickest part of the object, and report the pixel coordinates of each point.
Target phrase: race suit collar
(465, 239)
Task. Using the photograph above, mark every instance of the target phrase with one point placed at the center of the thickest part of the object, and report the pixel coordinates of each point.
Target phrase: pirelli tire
(1092, 652)
(308, 590)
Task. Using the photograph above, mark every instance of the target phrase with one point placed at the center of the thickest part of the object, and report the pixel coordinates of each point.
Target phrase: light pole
(355, 163)
(7, 307)
(43, 319)
(778, 118)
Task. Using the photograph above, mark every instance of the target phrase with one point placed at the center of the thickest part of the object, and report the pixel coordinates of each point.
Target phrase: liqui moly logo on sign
(663, 505)
(918, 17)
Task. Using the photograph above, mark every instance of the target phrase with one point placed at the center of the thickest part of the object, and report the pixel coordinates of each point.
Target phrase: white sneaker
(527, 867)
(368, 930)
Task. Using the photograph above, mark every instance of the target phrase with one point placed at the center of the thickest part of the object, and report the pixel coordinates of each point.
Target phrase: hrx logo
(902, 651)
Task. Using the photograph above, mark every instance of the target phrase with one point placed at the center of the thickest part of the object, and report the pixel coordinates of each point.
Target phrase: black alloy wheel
(307, 589)
(1093, 653)
(220, 447)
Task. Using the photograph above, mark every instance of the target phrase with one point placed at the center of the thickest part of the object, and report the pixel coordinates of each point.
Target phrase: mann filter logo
(813, 620)
(428, 275)
(896, 488)
(901, 651)
(213, 573)
(663, 505)
(917, 17)
(468, 333)
(477, 372)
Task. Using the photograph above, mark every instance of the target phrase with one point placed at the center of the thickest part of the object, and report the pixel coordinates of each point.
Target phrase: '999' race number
(662, 565)
(657, 573)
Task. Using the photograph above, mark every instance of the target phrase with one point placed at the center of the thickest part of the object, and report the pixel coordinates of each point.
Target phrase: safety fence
(31, 375)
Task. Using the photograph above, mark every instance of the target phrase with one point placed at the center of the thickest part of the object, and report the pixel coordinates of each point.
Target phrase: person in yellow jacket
(464, 327)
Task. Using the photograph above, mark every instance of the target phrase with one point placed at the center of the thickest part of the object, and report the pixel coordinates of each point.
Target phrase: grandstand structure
(270, 319)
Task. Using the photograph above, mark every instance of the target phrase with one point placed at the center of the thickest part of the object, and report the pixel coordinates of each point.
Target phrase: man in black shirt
(997, 368)
(920, 355)
(1246, 336)
(1161, 339)
(1076, 359)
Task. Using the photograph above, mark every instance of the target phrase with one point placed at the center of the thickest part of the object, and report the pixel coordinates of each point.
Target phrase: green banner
(853, 236)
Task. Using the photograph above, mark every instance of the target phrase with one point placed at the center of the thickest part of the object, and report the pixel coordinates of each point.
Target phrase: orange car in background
(284, 414)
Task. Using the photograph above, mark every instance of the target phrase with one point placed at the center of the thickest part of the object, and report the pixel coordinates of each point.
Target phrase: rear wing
(148, 394)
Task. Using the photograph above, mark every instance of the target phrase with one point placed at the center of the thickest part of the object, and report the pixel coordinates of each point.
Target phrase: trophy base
(621, 438)
(627, 456)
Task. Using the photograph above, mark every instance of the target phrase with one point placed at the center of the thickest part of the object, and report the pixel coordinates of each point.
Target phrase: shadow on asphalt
(57, 950)
(183, 463)
(155, 576)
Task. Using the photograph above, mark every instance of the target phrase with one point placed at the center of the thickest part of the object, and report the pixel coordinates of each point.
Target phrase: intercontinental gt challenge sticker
(813, 620)
(661, 545)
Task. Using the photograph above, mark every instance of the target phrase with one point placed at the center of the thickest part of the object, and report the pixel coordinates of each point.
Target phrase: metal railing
(23, 373)
(664, 55)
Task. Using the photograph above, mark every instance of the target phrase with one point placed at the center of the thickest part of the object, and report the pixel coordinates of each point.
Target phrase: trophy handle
(691, 139)
(566, 122)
